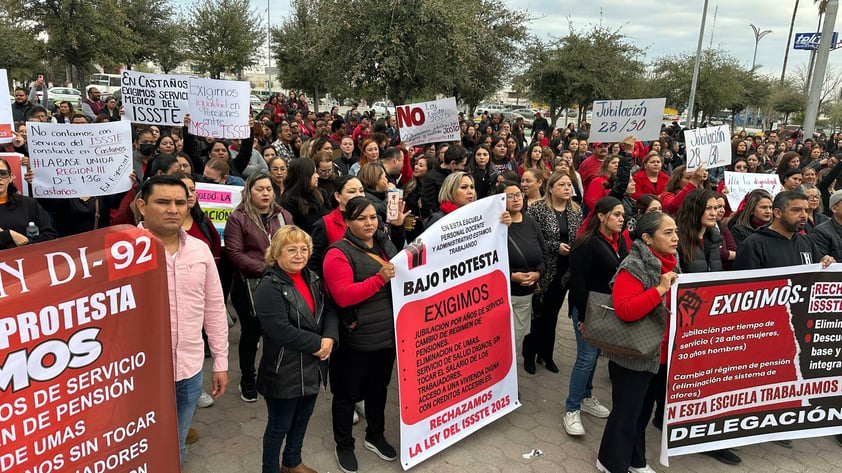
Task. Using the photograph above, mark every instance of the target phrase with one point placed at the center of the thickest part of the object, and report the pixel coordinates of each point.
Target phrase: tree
(21, 52)
(173, 50)
(831, 85)
(786, 99)
(582, 67)
(223, 36)
(722, 81)
(145, 24)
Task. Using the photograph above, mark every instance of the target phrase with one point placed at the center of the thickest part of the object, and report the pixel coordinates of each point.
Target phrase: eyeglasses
(515, 196)
(4, 174)
(324, 171)
(809, 197)
(292, 251)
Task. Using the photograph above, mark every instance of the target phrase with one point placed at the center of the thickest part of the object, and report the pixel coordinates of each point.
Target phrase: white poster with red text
(454, 330)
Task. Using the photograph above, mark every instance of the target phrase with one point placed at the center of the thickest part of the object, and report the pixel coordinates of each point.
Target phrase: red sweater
(589, 169)
(642, 184)
(339, 280)
(632, 303)
(596, 190)
(671, 202)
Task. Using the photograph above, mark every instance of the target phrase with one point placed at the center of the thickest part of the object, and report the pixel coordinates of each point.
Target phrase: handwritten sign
(219, 108)
(157, 99)
(428, 122)
(6, 120)
(217, 202)
(739, 184)
(72, 160)
(708, 147)
(614, 120)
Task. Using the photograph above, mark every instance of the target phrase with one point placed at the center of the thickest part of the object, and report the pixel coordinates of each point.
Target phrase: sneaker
(600, 467)
(573, 423)
(359, 408)
(641, 469)
(192, 436)
(591, 406)
(356, 417)
(346, 459)
(205, 400)
(381, 448)
(248, 391)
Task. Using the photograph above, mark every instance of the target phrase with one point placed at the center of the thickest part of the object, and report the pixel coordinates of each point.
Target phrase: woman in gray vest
(357, 275)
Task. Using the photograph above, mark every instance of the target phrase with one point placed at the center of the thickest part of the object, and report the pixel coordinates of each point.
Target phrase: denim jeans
(581, 378)
(287, 418)
(187, 392)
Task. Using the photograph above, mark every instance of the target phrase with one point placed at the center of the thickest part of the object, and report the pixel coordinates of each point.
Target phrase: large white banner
(708, 147)
(217, 202)
(72, 160)
(155, 99)
(428, 122)
(219, 108)
(614, 120)
(454, 330)
(6, 125)
(741, 183)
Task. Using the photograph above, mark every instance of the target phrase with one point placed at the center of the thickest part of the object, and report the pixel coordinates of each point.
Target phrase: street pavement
(231, 433)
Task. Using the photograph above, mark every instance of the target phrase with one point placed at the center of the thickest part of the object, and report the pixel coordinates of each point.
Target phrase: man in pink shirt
(195, 295)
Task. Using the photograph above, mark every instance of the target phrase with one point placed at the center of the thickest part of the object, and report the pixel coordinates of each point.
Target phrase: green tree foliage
(173, 50)
(411, 48)
(144, 23)
(223, 36)
(787, 99)
(584, 66)
(21, 52)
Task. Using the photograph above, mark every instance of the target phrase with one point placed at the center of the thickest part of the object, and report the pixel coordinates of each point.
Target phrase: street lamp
(758, 35)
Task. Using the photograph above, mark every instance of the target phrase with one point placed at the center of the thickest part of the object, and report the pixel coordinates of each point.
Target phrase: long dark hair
(689, 222)
(603, 206)
(298, 185)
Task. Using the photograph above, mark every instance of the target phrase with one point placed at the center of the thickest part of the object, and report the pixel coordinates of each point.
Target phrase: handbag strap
(371, 255)
(517, 248)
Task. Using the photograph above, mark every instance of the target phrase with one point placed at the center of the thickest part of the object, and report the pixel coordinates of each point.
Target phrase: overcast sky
(664, 27)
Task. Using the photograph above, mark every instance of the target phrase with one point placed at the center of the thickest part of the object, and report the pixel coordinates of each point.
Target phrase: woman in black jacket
(594, 258)
(302, 197)
(300, 328)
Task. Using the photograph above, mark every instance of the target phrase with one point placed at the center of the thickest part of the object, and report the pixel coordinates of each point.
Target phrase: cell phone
(40, 76)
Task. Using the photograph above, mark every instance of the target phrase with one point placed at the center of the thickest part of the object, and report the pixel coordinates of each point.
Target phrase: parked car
(513, 116)
(63, 94)
(492, 108)
(383, 108)
(256, 102)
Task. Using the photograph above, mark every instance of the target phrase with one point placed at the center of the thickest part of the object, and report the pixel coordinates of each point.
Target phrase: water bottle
(32, 231)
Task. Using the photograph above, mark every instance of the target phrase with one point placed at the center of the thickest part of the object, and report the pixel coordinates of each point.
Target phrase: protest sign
(217, 202)
(219, 108)
(614, 120)
(6, 120)
(86, 375)
(14, 160)
(72, 160)
(155, 99)
(708, 147)
(454, 330)
(739, 184)
(754, 356)
(428, 122)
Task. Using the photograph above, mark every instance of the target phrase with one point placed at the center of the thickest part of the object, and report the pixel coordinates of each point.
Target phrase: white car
(63, 94)
(383, 108)
(256, 102)
(491, 108)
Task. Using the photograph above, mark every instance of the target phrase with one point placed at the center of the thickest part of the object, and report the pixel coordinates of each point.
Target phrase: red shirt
(643, 185)
(303, 289)
(589, 169)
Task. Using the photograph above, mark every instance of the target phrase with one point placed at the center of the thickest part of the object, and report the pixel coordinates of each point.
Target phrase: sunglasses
(4, 173)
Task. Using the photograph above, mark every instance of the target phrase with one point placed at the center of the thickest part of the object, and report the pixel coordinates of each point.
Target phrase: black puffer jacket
(291, 334)
(707, 258)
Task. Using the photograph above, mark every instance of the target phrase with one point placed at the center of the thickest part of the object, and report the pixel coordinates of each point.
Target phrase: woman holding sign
(17, 211)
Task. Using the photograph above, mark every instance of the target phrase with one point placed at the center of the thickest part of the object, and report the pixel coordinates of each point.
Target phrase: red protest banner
(86, 365)
(753, 357)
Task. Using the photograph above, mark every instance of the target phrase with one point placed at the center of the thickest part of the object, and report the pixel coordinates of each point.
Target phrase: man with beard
(781, 243)
(92, 105)
(590, 166)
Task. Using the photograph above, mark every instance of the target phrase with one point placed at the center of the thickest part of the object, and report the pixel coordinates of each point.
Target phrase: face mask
(146, 149)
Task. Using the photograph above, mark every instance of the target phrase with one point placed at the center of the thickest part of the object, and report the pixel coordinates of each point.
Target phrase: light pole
(269, 49)
(758, 35)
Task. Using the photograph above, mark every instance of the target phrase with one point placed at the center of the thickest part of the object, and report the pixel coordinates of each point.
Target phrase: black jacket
(430, 190)
(769, 249)
(592, 267)
(707, 258)
(828, 238)
(291, 334)
(16, 215)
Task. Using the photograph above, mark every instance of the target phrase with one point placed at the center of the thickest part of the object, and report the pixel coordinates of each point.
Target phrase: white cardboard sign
(614, 120)
(739, 184)
(155, 99)
(428, 122)
(219, 108)
(708, 147)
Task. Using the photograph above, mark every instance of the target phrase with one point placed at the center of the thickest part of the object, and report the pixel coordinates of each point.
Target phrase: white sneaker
(642, 469)
(356, 417)
(359, 408)
(600, 467)
(591, 406)
(205, 400)
(573, 423)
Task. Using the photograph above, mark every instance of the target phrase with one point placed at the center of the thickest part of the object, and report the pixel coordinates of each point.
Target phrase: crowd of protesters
(305, 261)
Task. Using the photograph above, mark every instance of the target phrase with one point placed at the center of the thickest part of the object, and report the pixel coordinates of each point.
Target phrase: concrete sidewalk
(231, 432)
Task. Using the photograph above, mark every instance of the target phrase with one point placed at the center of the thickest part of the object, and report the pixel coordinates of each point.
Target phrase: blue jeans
(581, 378)
(187, 392)
(287, 418)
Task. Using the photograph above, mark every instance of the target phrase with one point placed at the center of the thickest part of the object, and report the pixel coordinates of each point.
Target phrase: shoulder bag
(604, 330)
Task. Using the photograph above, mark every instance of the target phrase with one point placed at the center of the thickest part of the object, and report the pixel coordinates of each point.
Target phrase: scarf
(448, 206)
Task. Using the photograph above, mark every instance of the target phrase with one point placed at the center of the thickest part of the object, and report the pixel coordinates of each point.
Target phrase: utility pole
(696, 68)
(814, 98)
(789, 41)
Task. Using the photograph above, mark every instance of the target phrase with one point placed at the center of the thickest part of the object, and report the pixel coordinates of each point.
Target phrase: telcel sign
(811, 40)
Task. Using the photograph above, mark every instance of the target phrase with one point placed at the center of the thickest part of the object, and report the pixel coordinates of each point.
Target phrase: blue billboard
(811, 40)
